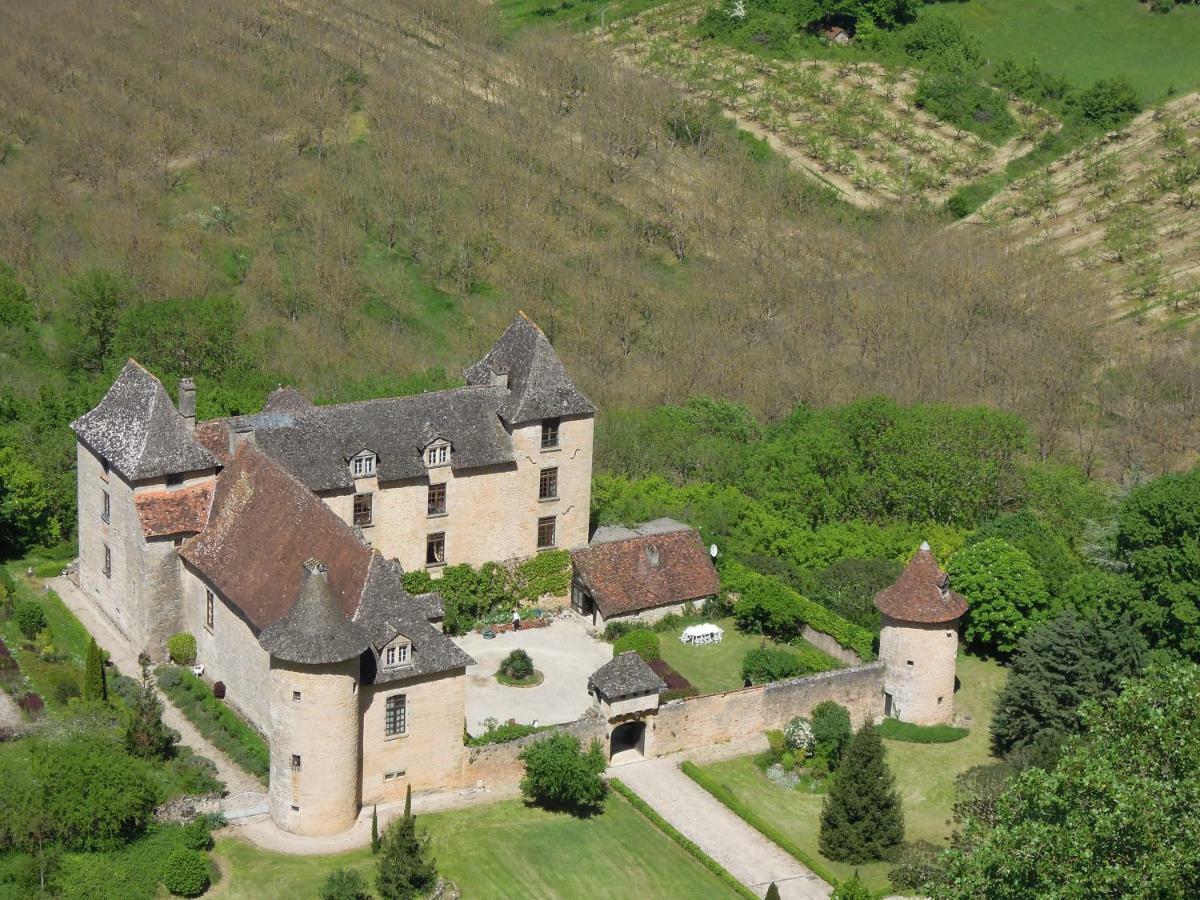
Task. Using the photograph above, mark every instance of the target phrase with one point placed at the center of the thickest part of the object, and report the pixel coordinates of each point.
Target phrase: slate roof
(625, 674)
(921, 593)
(138, 430)
(264, 532)
(622, 576)
(314, 630)
(538, 384)
(181, 511)
(287, 399)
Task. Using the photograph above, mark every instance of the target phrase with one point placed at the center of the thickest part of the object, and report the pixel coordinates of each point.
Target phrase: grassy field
(1085, 41)
(715, 667)
(503, 850)
(579, 13)
(69, 637)
(924, 774)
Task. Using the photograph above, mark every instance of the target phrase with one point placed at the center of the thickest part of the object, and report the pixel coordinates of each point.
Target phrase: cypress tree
(405, 868)
(862, 819)
(94, 685)
(772, 892)
(375, 828)
(145, 734)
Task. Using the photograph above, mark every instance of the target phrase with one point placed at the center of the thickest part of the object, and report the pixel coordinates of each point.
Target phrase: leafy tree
(145, 734)
(1005, 593)
(95, 686)
(940, 40)
(197, 336)
(1156, 533)
(862, 820)
(1049, 555)
(1118, 815)
(1103, 595)
(559, 774)
(852, 889)
(848, 587)
(14, 300)
(1107, 103)
(831, 731)
(345, 884)
(1058, 666)
(405, 868)
(97, 298)
(27, 505)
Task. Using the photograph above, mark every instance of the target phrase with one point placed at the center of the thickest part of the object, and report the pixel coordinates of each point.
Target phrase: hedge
(769, 606)
(641, 641)
(502, 734)
(730, 801)
(670, 831)
(895, 730)
(216, 721)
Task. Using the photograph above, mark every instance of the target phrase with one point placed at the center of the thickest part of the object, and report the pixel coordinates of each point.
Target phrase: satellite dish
(712, 551)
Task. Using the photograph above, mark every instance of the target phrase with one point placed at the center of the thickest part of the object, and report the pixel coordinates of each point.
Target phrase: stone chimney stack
(500, 380)
(187, 402)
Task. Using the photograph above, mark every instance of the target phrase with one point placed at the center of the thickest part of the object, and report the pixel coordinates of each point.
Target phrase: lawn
(1084, 41)
(715, 667)
(924, 775)
(504, 850)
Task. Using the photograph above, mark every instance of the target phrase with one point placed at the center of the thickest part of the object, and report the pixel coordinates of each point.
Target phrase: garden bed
(216, 721)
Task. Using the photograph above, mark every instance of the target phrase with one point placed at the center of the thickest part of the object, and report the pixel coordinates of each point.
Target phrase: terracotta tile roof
(921, 593)
(643, 572)
(263, 527)
(181, 511)
(213, 436)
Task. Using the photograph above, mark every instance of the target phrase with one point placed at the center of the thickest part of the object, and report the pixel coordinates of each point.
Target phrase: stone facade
(479, 500)
(920, 660)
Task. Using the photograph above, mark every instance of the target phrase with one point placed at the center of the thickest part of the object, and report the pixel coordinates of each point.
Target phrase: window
(395, 718)
(174, 480)
(295, 762)
(940, 700)
(548, 484)
(391, 776)
(909, 663)
(363, 465)
(437, 455)
(106, 509)
(545, 537)
(295, 808)
(209, 605)
(362, 509)
(395, 655)
(435, 549)
(550, 433)
(295, 696)
(437, 499)
(107, 561)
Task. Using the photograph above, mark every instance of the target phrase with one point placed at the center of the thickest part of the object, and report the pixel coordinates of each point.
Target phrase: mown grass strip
(895, 730)
(731, 802)
(670, 831)
(216, 721)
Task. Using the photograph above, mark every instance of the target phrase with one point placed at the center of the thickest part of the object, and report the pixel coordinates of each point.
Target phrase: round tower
(315, 720)
(918, 643)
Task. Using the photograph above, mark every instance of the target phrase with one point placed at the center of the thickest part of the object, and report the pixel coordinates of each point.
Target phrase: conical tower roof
(315, 630)
(921, 593)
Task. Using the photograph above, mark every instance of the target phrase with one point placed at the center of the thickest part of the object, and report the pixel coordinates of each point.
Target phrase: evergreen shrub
(182, 647)
(186, 873)
(30, 617)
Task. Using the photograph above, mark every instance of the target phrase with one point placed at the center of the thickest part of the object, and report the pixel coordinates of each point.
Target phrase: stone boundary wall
(498, 765)
(826, 643)
(733, 716)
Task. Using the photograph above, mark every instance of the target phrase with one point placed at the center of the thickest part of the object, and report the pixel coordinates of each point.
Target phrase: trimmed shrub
(345, 884)
(762, 665)
(560, 774)
(186, 873)
(219, 690)
(641, 641)
(65, 687)
(182, 647)
(517, 665)
(197, 835)
(30, 617)
(895, 730)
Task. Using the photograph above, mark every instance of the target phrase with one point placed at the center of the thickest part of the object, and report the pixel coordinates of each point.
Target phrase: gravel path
(10, 715)
(749, 857)
(124, 657)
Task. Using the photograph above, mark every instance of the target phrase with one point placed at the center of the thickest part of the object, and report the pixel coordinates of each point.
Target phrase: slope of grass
(505, 850)
(580, 14)
(924, 775)
(1086, 41)
(718, 667)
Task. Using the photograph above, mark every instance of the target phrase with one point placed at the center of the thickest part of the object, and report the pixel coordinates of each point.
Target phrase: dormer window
(363, 465)
(397, 654)
(437, 454)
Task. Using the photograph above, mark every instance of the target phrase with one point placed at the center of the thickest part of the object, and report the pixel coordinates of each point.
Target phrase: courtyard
(564, 653)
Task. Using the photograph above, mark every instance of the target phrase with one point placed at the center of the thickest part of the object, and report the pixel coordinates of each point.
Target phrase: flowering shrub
(798, 735)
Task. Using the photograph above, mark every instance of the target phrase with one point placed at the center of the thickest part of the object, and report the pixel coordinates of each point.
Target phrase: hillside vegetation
(343, 196)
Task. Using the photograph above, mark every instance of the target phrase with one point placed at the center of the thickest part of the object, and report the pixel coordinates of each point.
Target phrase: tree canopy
(1004, 592)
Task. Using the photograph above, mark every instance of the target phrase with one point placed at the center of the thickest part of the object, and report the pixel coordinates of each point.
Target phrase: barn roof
(631, 574)
(921, 593)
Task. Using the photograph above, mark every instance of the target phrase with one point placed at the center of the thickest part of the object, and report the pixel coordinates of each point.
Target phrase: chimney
(653, 556)
(500, 380)
(240, 434)
(315, 567)
(187, 402)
